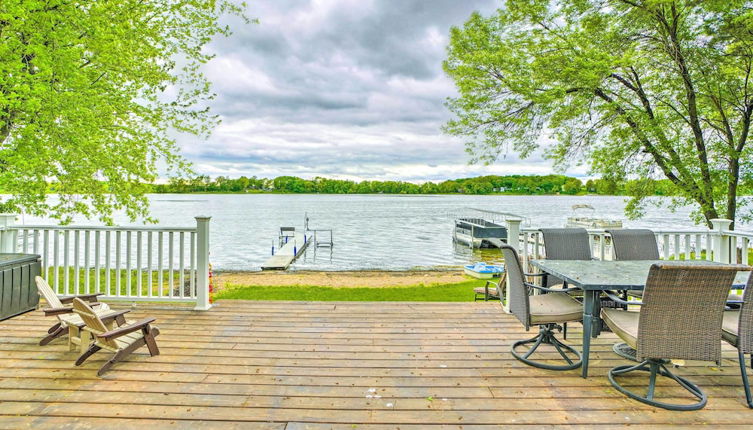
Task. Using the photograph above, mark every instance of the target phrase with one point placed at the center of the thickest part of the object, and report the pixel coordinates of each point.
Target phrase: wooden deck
(299, 365)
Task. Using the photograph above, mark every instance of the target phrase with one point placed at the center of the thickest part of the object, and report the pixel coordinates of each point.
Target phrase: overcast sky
(350, 89)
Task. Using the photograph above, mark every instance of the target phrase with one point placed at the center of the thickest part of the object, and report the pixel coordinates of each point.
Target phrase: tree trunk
(734, 179)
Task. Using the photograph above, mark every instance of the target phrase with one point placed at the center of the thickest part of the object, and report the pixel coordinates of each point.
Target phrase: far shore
(349, 279)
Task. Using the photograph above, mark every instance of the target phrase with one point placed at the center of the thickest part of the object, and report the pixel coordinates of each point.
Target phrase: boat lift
(291, 244)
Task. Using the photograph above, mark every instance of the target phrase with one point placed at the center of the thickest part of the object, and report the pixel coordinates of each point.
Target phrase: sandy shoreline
(368, 278)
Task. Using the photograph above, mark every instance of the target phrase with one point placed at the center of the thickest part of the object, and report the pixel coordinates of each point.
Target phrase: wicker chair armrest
(551, 290)
(57, 311)
(121, 331)
(84, 297)
(617, 299)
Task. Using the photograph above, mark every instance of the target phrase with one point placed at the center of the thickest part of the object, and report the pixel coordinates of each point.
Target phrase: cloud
(339, 88)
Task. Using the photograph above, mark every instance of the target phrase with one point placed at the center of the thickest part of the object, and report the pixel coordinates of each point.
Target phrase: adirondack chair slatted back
(46, 292)
(745, 324)
(92, 321)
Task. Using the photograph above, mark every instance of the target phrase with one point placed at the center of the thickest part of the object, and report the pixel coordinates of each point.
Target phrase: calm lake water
(390, 232)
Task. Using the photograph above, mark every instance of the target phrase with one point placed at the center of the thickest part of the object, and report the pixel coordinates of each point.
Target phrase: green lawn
(459, 292)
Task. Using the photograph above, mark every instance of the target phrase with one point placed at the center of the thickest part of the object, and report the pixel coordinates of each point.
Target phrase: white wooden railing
(124, 263)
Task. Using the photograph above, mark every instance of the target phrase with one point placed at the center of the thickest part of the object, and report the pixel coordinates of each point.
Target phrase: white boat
(578, 219)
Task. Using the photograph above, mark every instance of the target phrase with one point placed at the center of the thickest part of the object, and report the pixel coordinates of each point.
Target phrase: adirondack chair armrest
(57, 311)
(115, 315)
(120, 331)
(85, 297)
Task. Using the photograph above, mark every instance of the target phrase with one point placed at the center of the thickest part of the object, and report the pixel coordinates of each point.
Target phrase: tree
(636, 88)
(90, 93)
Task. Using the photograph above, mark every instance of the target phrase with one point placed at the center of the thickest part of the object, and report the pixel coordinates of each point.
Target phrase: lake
(390, 232)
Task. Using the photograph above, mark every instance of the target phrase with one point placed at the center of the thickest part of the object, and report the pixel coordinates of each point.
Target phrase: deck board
(300, 365)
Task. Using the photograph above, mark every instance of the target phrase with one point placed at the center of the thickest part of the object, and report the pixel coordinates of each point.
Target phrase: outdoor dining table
(597, 276)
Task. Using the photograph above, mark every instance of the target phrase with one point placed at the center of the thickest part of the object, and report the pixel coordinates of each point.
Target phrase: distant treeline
(511, 184)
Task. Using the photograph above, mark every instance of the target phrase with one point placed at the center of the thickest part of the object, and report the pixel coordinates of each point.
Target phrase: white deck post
(202, 263)
(9, 238)
(721, 240)
(513, 239)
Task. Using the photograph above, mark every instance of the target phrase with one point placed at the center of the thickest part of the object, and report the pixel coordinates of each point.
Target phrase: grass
(457, 292)
(121, 282)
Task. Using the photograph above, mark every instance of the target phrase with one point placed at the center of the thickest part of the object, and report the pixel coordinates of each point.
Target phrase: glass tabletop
(613, 275)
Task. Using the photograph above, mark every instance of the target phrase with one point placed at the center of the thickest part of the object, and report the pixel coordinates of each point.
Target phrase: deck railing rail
(129, 263)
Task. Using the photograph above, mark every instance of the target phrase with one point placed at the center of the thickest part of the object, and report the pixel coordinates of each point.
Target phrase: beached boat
(483, 270)
(589, 221)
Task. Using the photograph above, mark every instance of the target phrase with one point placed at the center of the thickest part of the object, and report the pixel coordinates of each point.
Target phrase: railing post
(721, 240)
(9, 238)
(202, 263)
(513, 239)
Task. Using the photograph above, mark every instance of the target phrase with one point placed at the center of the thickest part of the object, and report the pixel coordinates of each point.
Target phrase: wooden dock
(341, 365)
(288, 253)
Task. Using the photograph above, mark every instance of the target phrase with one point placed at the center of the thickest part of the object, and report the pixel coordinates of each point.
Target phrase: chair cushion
(729, 326)
(492, 291)
(555, 308)
(623, 323)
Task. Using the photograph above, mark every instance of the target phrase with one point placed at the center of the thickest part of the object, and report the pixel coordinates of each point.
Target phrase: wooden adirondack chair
(69, 322)
(122, 340)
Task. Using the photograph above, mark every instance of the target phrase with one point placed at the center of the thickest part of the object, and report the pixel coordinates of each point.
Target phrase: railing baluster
(746, 244)
(25, 241)
(56, 260)
(698, 247)
(602, 246)
(87, 263)
(687, 247)
(46, 256)
(108, 258)
(66, 247)
(128, 264)
(709, 249)
(97, 275)
(35, 242)
(160, 257)
(170, 262)
(192, 272)
(149, 263)
(677, 246)
(76, 262)
(117, 263)
(138, 264)
(181, 257)
(665, 240)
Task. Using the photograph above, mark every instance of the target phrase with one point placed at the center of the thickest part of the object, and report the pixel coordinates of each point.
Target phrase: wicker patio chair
(547, 311)
(67, 321)
(634, 244)
(737, 329)
(680, 318)
(565, 244)
(122, 340)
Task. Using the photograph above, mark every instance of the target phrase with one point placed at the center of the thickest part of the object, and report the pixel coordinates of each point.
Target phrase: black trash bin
(18, 291)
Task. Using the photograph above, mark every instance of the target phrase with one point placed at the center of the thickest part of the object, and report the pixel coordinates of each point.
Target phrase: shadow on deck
(354, 365)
